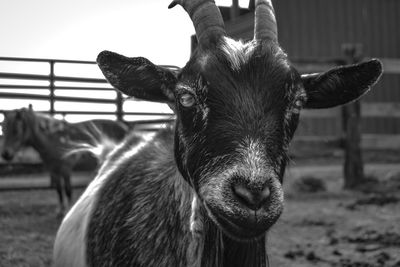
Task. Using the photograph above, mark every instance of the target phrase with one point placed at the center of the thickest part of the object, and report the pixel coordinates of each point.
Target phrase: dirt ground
(337, 227)
(327, 228)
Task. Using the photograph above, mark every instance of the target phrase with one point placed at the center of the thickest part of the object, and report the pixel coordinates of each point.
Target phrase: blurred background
(343, 183)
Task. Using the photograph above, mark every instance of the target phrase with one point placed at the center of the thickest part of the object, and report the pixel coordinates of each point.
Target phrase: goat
(53, 139)
(205, 190)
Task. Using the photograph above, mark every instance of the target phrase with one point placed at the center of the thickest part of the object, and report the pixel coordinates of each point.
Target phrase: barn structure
(316, 32)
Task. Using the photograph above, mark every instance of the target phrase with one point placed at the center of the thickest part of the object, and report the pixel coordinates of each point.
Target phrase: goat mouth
(245, 229)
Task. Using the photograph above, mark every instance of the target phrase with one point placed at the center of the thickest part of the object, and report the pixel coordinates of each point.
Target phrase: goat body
(206, 191)
(151, 212)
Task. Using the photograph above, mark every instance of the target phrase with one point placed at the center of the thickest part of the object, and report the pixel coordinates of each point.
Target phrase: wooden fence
(333, 116)
(316, 29)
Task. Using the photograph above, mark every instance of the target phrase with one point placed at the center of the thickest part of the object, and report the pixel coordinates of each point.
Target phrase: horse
(205, 190)
(56, 143)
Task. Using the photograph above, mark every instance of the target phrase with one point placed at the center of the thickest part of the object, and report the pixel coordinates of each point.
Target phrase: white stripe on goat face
(251, 167)
(237, 52)
(251, 164)
(252, 158)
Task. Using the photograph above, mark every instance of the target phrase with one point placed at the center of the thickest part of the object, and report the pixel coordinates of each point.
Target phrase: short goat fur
(205, 190)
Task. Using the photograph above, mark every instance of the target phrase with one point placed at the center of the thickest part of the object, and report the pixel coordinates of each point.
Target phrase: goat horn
(206, 17)
(265, 22)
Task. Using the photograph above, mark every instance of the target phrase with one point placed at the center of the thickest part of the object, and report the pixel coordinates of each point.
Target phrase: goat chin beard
(234, 236)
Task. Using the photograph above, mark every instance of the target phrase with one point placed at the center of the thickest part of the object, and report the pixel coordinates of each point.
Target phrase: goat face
(237, 106)
(232, 133)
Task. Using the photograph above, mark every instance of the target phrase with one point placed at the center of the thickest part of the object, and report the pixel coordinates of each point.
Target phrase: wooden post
(252, 4)
(353, 165)
(234, 10)
(120, 108)
(52, 87)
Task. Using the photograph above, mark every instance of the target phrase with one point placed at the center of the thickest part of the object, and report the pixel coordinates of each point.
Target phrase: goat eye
(187, 100)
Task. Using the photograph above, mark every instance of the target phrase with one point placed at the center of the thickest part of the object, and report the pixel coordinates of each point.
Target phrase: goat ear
(340, 85)
(138, 77)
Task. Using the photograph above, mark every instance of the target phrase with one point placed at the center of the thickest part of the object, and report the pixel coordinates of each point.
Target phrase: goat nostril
(251, 198)
(264, 194)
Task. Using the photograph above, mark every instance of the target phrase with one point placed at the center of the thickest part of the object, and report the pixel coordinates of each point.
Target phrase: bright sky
(80, 29)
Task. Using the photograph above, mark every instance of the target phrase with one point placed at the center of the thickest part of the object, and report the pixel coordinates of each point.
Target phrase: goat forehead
(246, 105)
(235, 63)
(237, 53)
(238, 68)
(261, 56)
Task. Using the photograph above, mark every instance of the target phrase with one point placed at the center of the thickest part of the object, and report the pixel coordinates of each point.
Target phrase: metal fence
(391, 66)
(23, 83)
(331, 118)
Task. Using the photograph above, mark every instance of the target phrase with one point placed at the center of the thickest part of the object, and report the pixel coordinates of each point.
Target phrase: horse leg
(56, 180)
(68, 188)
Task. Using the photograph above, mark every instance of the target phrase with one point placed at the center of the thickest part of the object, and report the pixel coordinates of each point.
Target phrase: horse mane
(92, 140)
(45, 122)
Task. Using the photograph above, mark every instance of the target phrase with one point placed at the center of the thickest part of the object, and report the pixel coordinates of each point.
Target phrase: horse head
(16, 131)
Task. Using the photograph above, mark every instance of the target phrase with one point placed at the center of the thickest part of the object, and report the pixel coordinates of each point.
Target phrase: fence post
(52, 87)
(252, 4)
(353, 165)
(234, 11)
(120, 110)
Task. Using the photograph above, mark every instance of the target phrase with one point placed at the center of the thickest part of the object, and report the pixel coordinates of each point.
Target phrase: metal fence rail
(391, 66)
(310, 65)
(52, 79)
